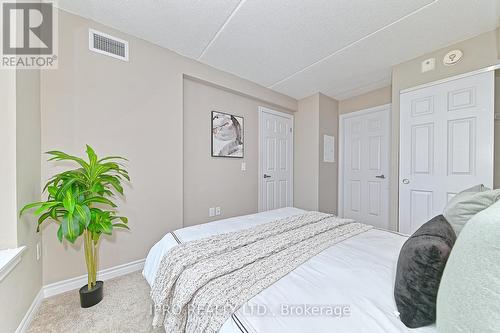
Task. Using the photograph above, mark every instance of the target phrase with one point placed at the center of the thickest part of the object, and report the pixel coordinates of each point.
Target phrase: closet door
(446, 145)
(365, 161)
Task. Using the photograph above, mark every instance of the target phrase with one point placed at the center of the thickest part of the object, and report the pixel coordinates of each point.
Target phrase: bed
(345, 288)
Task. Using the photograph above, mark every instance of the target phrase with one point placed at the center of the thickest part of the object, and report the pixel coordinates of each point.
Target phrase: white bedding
(356, 275)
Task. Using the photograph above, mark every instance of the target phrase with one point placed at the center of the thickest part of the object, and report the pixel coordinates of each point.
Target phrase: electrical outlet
(38, 251)
(217, 211)
(211, 211)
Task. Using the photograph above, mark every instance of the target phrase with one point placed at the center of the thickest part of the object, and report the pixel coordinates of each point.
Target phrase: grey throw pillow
(469, 295)
(420, 265)
(463, 206)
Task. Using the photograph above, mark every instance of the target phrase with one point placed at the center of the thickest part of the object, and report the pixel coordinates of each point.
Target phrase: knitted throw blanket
(200, 284)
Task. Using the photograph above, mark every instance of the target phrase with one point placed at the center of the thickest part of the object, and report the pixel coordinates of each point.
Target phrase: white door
(365, 166)
(446, 145)
(276, 160)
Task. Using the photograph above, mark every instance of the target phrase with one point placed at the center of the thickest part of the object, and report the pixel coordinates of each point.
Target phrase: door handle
(267, 176)
(381, 176)
(406, 181)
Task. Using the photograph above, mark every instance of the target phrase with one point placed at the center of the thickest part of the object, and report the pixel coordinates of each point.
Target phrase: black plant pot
(91, 297)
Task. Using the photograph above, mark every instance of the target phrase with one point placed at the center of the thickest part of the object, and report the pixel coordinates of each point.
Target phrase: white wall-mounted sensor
(428, 65)
(452, 57)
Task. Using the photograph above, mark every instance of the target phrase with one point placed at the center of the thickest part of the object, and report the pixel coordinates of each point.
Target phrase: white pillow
(463, 206)
(469, 293)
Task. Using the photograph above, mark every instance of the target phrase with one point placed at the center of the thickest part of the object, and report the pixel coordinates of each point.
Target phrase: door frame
(261, 110)
(342, 119)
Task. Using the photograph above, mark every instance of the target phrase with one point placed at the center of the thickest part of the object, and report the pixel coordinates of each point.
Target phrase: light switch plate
(243, 166)
(38, 251)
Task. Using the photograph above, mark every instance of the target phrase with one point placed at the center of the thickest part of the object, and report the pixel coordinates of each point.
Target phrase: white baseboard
(79, 281)
(28, 317)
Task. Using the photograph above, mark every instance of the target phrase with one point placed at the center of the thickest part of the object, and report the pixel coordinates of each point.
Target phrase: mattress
(346, 288)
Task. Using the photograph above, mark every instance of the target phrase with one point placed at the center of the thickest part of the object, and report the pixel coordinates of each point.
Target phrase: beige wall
(498, 42)
(21, 285)
(479, 52)
(8, 214)
(370, 99)
(496, 182)
(211, 181)
(315, 182)
(28, 150)
(328, 171)
(134, 109)
(306, 154)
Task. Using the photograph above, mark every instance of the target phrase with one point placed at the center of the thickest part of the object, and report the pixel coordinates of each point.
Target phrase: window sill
(9, 259)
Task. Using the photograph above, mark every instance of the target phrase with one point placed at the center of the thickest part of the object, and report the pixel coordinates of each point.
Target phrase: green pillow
(469, 294)
(463, 206)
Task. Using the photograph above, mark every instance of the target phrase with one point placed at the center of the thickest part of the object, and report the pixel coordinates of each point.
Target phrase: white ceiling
(341, 48)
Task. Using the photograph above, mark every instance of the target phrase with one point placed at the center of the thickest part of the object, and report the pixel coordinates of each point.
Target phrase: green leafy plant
(79, 201)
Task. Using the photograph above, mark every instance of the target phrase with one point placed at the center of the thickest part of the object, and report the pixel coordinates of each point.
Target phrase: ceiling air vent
(108, 45)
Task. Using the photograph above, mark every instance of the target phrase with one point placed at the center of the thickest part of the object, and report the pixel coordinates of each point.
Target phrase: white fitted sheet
(358, 273)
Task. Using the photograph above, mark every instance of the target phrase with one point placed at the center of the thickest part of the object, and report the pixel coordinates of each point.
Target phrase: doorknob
(406, 181)
(381, 176)
(267, 176)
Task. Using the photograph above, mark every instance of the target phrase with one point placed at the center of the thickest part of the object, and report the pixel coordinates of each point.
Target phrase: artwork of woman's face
(227, 135)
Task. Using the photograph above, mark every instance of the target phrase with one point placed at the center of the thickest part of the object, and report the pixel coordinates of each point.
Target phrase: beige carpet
(125, 308)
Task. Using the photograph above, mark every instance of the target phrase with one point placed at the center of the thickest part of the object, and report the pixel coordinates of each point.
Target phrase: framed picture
(227, 135)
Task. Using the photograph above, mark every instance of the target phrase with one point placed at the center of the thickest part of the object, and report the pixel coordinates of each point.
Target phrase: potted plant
(79, 201)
